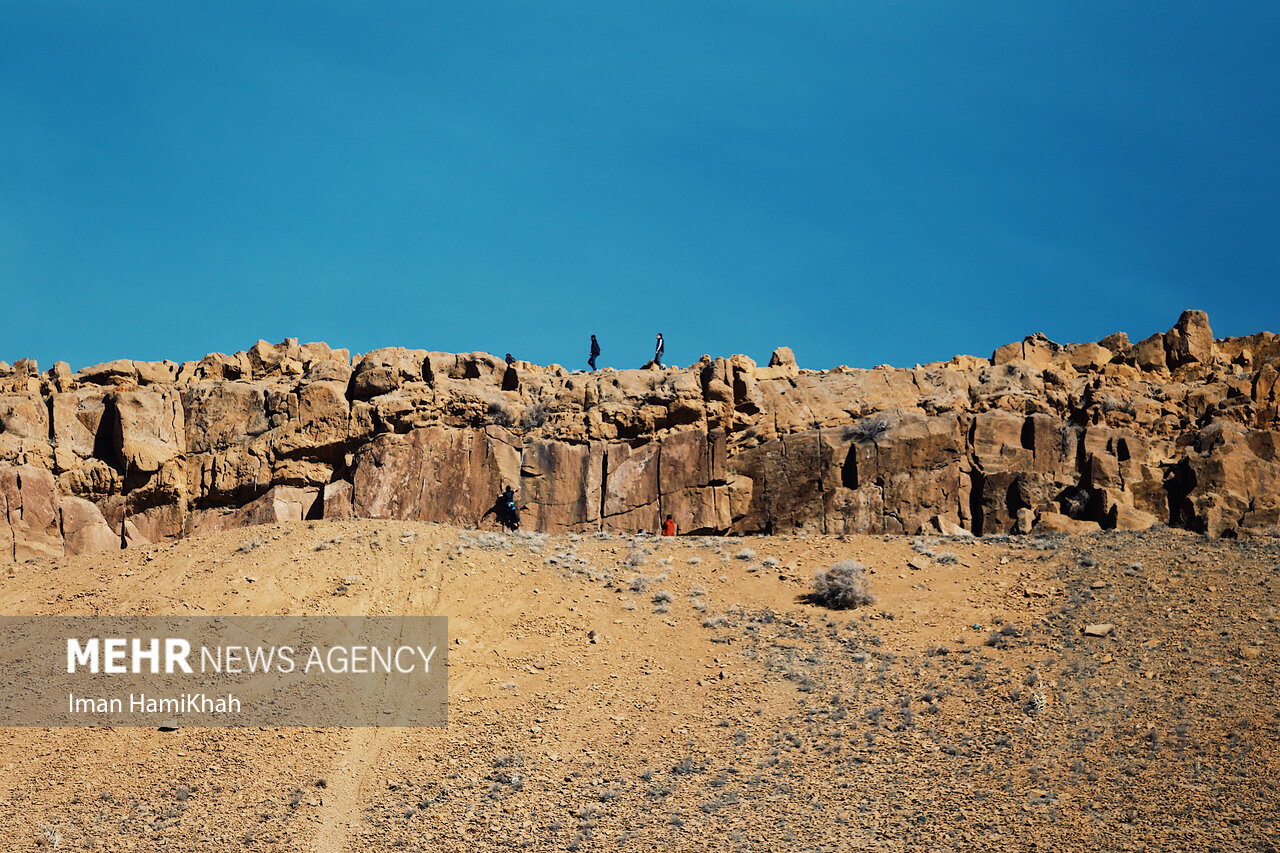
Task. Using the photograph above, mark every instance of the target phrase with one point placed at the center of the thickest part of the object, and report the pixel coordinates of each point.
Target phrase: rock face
(1178, 428)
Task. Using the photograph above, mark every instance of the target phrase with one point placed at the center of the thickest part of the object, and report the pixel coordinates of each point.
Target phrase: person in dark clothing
(504, 509)
(595, 351)
(658, 350)
(511, 377)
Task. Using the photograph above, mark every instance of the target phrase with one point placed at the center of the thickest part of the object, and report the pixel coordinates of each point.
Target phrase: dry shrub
(843, 586)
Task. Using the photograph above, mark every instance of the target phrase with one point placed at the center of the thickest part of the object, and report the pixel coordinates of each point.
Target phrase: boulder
(782, 365)
(218, 365)
(223, 414)
(77, 419)
(996, 438)
(337, 500)
(948, 527)
(1054, 522)
(1034, 349)
(1117, 342)
(1191, 340)
(782, 357)
(24, 429)
(61, 377)
(93, 479)
(323, 420)
(1088, 357)
(320, 351)
(279, 504)
(1025, 521)
(383, 370)
(1149, 353)
(147, 428)
(1008, 386)
(1266, 384)
(84, 529)
(1127, 518)
(233, 476)
(266, 359)
(118, 372)
(328, 370)
(717, 381)
(30, 512)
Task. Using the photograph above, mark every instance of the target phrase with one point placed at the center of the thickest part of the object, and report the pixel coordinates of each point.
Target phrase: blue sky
(866, 182)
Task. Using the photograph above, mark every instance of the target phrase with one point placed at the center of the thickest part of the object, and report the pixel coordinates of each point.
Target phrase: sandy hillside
(618, 693)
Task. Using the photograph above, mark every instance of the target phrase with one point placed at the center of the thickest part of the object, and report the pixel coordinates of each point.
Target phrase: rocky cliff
(1179, 429)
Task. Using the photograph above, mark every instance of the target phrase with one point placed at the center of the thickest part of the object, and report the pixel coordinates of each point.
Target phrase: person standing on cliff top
(658, 350)
(595, 351)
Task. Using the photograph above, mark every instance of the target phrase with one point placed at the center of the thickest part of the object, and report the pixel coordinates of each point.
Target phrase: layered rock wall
(1179, 429)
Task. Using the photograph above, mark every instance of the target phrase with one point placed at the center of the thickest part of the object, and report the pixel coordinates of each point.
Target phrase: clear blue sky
(866, 182)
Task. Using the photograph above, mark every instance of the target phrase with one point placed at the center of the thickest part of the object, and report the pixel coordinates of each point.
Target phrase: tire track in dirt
(352, 779)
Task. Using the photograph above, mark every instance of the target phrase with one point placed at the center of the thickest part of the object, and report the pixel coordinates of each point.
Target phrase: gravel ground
(688, 695)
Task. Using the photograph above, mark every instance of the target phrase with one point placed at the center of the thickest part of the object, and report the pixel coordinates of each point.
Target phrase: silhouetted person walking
(595, 351)
(658, 351)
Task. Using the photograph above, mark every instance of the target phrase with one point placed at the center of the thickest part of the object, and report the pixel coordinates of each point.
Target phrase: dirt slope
(618, 693)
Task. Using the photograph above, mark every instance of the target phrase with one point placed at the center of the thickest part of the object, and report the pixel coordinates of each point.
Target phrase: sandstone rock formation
(1179, 429)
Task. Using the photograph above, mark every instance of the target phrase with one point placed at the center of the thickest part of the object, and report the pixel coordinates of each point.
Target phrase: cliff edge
(1178, 429)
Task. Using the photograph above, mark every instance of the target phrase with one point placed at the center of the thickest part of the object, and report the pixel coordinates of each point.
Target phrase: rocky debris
(1098, 629)
(1177, 429)
(762, 721)
(1056, 522)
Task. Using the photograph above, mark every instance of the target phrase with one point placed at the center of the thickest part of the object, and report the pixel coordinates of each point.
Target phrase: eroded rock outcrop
(1178, 428)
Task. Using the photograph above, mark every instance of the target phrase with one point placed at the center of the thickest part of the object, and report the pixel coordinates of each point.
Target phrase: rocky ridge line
(1179, 429)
